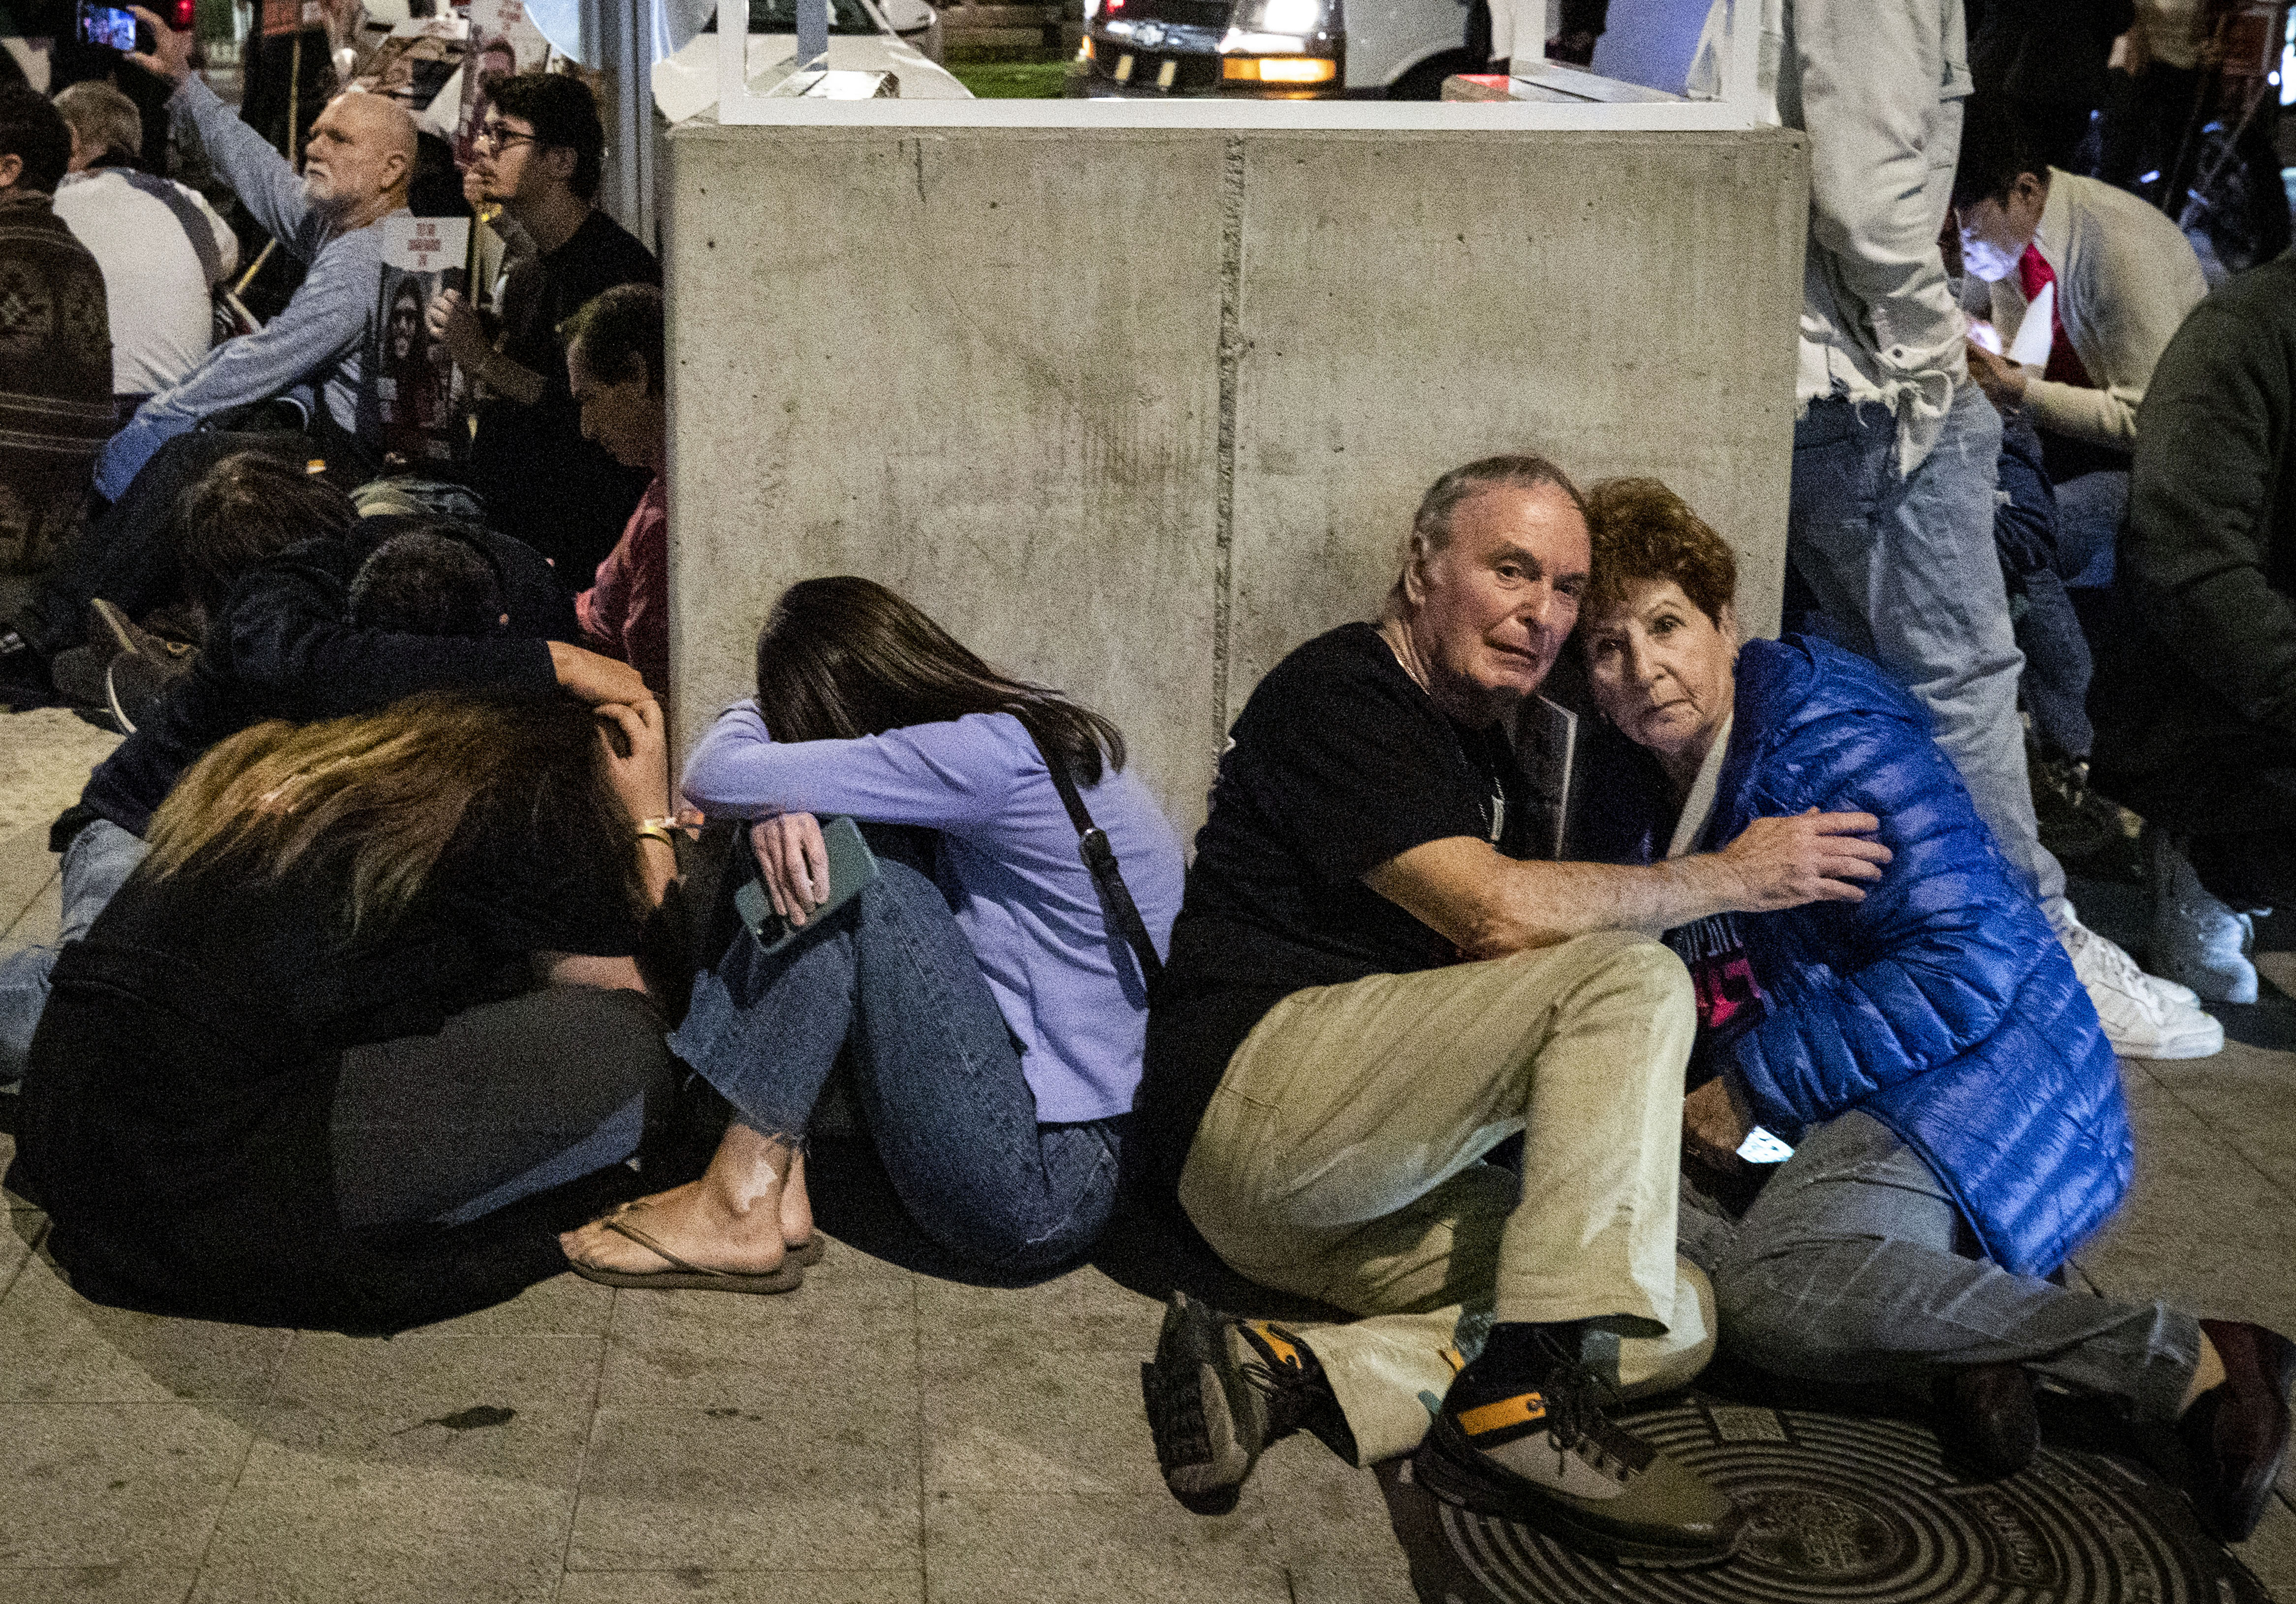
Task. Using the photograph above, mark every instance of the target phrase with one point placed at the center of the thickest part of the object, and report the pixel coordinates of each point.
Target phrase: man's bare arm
(1488, 905)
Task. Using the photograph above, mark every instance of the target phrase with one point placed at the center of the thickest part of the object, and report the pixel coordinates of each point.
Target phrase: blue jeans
(1846, 1269)
(2090, 510)
(2058, 666)
(1905, 566)
(98, 861)
(934, 1067)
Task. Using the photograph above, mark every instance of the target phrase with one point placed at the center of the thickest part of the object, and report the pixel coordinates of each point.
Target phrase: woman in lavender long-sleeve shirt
(996, 1019)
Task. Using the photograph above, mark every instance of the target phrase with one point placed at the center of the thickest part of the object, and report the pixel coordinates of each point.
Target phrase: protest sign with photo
(415, 380)
(503, 40)
(417, 62)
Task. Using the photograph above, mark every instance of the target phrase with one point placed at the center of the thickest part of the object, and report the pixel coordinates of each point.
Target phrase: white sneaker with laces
(2194, 934)
(2143, 1017)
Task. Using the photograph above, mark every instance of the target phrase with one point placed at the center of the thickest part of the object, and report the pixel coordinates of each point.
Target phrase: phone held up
(106, 25)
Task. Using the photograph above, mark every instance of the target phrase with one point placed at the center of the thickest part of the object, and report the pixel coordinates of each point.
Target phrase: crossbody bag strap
(1099, 860)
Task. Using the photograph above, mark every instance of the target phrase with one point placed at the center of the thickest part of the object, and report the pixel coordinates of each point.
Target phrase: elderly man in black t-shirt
(1372, 985)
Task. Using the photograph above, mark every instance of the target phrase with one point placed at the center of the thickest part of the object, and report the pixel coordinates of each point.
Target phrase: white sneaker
(2195, 935)
(2143, 1017)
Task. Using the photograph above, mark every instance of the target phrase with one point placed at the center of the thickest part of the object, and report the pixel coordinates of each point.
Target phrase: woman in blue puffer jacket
(1954, 1110)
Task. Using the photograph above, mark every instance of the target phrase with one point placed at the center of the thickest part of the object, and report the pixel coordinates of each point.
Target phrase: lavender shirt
(1065, 982)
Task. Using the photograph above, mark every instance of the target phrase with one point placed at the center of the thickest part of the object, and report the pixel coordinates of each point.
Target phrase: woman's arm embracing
(728, 768)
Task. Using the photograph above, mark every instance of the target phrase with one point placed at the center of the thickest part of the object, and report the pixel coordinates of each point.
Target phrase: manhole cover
(1844, 1506)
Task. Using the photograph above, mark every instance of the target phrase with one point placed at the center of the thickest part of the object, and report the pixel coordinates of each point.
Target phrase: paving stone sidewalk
(880, 1435)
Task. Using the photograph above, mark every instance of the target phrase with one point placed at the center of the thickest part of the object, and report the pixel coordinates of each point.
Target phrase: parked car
(861, 38)
(1275, 49)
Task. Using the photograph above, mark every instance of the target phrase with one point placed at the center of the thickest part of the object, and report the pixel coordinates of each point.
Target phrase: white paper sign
(425, 244)
(503, 40)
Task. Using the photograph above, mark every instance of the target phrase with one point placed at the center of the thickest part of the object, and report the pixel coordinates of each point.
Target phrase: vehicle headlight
(1300, 18)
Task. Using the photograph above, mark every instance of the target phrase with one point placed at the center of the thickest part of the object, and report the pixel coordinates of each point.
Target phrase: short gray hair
(106, 120)
(1431, 525)
(1524, 472)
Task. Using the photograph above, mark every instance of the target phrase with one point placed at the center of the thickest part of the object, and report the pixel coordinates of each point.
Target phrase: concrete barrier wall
(1133, 412)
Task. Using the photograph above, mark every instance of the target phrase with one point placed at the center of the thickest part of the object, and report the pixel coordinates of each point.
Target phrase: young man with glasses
(538, 155)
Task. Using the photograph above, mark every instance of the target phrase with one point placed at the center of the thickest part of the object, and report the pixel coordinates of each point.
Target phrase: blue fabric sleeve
(954, 775)
(1928, 964)
(324, 322)
(259, 176)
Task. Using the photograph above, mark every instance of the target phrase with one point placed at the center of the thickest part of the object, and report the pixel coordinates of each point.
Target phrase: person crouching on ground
(1956, 1108)
(301, 1070)
(994, 1012)
(1325, 1074)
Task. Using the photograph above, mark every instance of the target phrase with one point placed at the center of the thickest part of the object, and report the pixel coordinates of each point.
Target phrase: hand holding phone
(170, 55)
(792, 863)
(844, 869)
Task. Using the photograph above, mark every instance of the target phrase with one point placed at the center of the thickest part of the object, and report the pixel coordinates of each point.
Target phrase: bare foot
(797, 1208)
(731, 1219)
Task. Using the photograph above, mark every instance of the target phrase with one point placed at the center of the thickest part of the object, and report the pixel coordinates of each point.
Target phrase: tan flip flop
(685, 1276)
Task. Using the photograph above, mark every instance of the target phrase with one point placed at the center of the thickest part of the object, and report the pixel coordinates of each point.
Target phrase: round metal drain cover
(1844, 1506)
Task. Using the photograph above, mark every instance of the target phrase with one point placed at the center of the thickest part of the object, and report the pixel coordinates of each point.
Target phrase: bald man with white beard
(356, 172)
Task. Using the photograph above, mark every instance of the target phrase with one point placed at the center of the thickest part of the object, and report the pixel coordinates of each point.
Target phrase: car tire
(1425, 81)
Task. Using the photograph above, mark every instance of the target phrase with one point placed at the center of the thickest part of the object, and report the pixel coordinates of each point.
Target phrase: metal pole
(614, 38)
(812, 33)
(294, 92)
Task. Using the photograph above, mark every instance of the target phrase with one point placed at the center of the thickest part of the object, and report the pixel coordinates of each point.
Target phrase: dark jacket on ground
(177, 1104)
(280, 649)
(1941, 1005)
(2194, 697)
(56, 375)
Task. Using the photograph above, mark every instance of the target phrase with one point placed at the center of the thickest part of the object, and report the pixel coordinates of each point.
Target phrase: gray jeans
(507, 1099)
(1845, 1269)
(1906, 569)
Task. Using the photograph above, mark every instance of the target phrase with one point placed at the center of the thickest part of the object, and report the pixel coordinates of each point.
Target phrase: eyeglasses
(494, 137)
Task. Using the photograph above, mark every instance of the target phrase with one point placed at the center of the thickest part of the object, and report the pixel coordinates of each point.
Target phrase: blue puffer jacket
(1942, 1003)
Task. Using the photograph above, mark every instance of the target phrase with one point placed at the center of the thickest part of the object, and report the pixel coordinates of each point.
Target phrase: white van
(1275, 49)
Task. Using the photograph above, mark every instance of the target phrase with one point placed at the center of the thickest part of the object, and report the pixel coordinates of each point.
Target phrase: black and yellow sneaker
(1536, 1447)
(1220, 1390)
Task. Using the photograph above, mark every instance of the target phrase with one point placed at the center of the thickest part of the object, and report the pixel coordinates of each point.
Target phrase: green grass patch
(1012, 80)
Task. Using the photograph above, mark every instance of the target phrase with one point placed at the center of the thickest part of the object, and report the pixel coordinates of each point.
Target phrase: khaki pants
(1341, 1158)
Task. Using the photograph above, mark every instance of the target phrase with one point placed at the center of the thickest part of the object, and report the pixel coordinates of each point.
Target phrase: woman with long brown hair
(993, 1012)
(300, 1070)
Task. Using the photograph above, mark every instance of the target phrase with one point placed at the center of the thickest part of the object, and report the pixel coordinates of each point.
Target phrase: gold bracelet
(655, 829)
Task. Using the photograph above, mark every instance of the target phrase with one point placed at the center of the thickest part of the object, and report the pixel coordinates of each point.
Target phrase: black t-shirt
(543, 482)
(1338, 762)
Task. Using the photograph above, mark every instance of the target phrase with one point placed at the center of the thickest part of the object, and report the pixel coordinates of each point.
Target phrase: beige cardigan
(2126, 278)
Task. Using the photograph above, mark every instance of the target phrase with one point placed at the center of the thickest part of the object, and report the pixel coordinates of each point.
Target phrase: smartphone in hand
(852, 866)
(111, 25)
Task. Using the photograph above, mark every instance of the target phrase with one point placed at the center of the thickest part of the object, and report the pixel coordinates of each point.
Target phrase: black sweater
(280, 650)
(2195, 690)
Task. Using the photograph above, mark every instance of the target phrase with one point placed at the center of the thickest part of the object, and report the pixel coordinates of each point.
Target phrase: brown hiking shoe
(1538, 1449)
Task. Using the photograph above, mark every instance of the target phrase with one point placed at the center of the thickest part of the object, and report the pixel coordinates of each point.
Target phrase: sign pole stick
(294, 95)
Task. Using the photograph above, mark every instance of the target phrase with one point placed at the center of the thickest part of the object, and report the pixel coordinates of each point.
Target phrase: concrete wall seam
(1231, 360)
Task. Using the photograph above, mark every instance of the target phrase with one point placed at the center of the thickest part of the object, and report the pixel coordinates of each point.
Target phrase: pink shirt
(626, 612)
